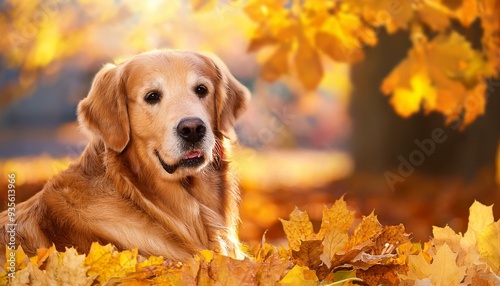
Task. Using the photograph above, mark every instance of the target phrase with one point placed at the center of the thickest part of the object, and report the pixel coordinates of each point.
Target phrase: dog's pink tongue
(193, 154)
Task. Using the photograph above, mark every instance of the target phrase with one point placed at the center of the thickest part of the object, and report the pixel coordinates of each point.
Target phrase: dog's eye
(201, 90)
(153, 97)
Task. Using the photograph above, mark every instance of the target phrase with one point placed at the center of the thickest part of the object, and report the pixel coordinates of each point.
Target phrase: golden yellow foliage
(372, 253)
(444, 74)
(295, 37)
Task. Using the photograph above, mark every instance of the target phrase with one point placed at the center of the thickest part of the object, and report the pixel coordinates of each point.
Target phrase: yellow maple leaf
(365, 231)
(106, 262)
(407, 101)
(394, 15)
(445, 74)
(337, 217)
(298, 228)
(151, 261)
(20, 258)
(277, 64)
(297, 276)
(228, 271)
(444, 269)
(333, 47)
(30, 275)
(335, 241)
(488, 244)
(442, 235)
(67, 268)
(479, 217)
(418, 267)
(308, 64)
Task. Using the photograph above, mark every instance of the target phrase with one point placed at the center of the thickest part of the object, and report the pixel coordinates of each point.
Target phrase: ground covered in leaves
(340, 253)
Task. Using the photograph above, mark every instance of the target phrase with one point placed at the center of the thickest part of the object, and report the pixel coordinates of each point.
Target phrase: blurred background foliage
(395, 103)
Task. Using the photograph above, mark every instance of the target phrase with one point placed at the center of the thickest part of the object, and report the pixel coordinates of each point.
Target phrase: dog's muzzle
(190, 160)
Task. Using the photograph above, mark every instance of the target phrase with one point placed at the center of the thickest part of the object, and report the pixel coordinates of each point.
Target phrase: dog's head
(167, 105)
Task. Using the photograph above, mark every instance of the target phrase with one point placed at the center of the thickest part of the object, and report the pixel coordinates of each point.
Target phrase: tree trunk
(382, 139)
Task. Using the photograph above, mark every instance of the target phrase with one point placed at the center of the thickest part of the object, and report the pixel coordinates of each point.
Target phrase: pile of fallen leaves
(341, 252)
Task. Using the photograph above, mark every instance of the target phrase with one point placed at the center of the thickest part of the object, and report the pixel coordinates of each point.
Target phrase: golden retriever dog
(155, 174)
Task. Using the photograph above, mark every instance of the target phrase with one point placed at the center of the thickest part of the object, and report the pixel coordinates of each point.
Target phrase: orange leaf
(309, 254)
(277, 64)
(367, 230)
(308, 64)
(299, 228)
(336, 50)
(337, 217)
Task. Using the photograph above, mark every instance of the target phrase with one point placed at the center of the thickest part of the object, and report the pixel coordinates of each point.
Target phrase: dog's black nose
(192, 129)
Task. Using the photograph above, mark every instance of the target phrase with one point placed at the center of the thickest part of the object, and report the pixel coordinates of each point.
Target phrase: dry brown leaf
(308, 254)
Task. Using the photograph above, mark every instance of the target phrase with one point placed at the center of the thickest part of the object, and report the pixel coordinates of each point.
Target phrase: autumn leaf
(299, 275)
(446, 235)
(380, 275)
(488, 244)
(41, 255)
(444, 270)
(490, 22)
(308, 254)
(418, 267)
(434, 15)
(299, 228)
(67, 269)
(271, 269)
(61, 268)
(334, 242)
(333, 47)
(365, 231)
(373, 255)
(479, 217)
(20, 258)
(106, 262)
(308, 64)
(277, 64)
(337, 217)
(30, 275)
(389, 238)
(443, 75)
(344, 276)
(228, 271)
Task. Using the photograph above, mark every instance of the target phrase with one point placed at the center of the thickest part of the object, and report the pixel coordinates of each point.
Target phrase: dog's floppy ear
(231, 99)
(104, 111)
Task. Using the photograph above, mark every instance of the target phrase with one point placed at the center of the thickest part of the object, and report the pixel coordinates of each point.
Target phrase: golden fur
(118, 191)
